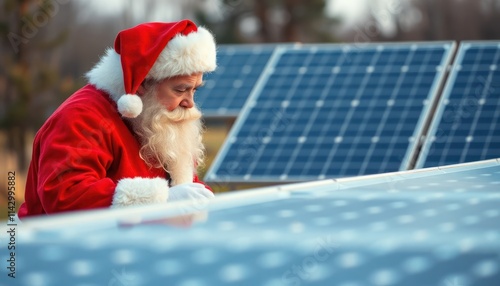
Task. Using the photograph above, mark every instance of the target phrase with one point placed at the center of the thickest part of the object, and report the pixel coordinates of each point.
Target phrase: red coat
(85, 156)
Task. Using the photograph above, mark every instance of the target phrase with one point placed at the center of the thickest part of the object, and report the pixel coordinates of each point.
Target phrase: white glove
(189, 191)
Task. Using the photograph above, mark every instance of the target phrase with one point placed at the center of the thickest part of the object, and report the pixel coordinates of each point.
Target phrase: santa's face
(170, 128)
(178, 91)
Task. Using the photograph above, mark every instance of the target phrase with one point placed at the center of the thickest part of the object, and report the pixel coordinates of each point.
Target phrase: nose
(187, 101)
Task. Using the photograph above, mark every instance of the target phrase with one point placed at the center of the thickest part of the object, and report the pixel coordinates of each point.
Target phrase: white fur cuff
(140, 191)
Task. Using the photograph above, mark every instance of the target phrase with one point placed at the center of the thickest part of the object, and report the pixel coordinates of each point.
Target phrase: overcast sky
(349, 11)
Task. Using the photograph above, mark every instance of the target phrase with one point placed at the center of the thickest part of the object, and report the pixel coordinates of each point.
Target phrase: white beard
(171, 140)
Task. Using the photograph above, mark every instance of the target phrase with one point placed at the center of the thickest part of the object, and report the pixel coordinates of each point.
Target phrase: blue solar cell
(340, 107)
(228, 87)
(413, 228)
(467, 120)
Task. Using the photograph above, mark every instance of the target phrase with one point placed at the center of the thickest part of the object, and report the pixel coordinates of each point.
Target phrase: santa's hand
(189, 191)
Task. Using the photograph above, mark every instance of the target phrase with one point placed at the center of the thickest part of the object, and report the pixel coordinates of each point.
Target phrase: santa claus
(132, 136)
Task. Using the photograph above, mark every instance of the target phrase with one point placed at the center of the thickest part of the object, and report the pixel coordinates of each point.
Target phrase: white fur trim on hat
(107, 75)
(140, 191)
(185, 55)
(129, 105)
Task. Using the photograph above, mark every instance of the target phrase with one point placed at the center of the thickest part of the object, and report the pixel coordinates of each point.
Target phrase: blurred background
(46, 47)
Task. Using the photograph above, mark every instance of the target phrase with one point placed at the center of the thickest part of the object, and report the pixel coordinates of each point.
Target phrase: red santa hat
(153, 51)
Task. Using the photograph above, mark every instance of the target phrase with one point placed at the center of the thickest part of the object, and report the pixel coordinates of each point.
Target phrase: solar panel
(467, 121)
(436, 226)
(326, 111)
(228, 87)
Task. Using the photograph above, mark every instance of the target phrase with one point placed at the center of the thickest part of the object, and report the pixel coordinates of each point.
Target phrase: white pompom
(129, 105)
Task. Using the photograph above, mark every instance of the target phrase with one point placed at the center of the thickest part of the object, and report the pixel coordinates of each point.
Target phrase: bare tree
(274, 21)
(438, 20)
(27, 70)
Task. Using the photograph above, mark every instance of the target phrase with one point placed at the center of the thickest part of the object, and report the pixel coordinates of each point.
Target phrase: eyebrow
(186, 85)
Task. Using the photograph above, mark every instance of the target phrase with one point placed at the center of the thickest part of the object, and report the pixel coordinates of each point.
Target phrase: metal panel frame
(450, 47)
(450, 82)
(233, 113)
(82, 221)
(351, 230)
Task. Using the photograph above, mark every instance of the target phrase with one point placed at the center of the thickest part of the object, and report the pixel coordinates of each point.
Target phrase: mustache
(181, 114)
(156, 112)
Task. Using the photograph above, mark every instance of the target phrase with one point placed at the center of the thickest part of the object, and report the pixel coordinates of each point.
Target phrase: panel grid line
(358, 137)
(228, 87)
(479, 111)
(320, 103)
(433, 227)
(491, 133)
(341, 132)
(371, 148)
(310, 122)
(413, 93)
(467, 91)
(464, 127)
(269, 105)
(344, 111)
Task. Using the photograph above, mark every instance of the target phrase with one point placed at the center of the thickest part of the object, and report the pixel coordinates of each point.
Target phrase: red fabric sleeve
(197, 180)
(74, 155)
